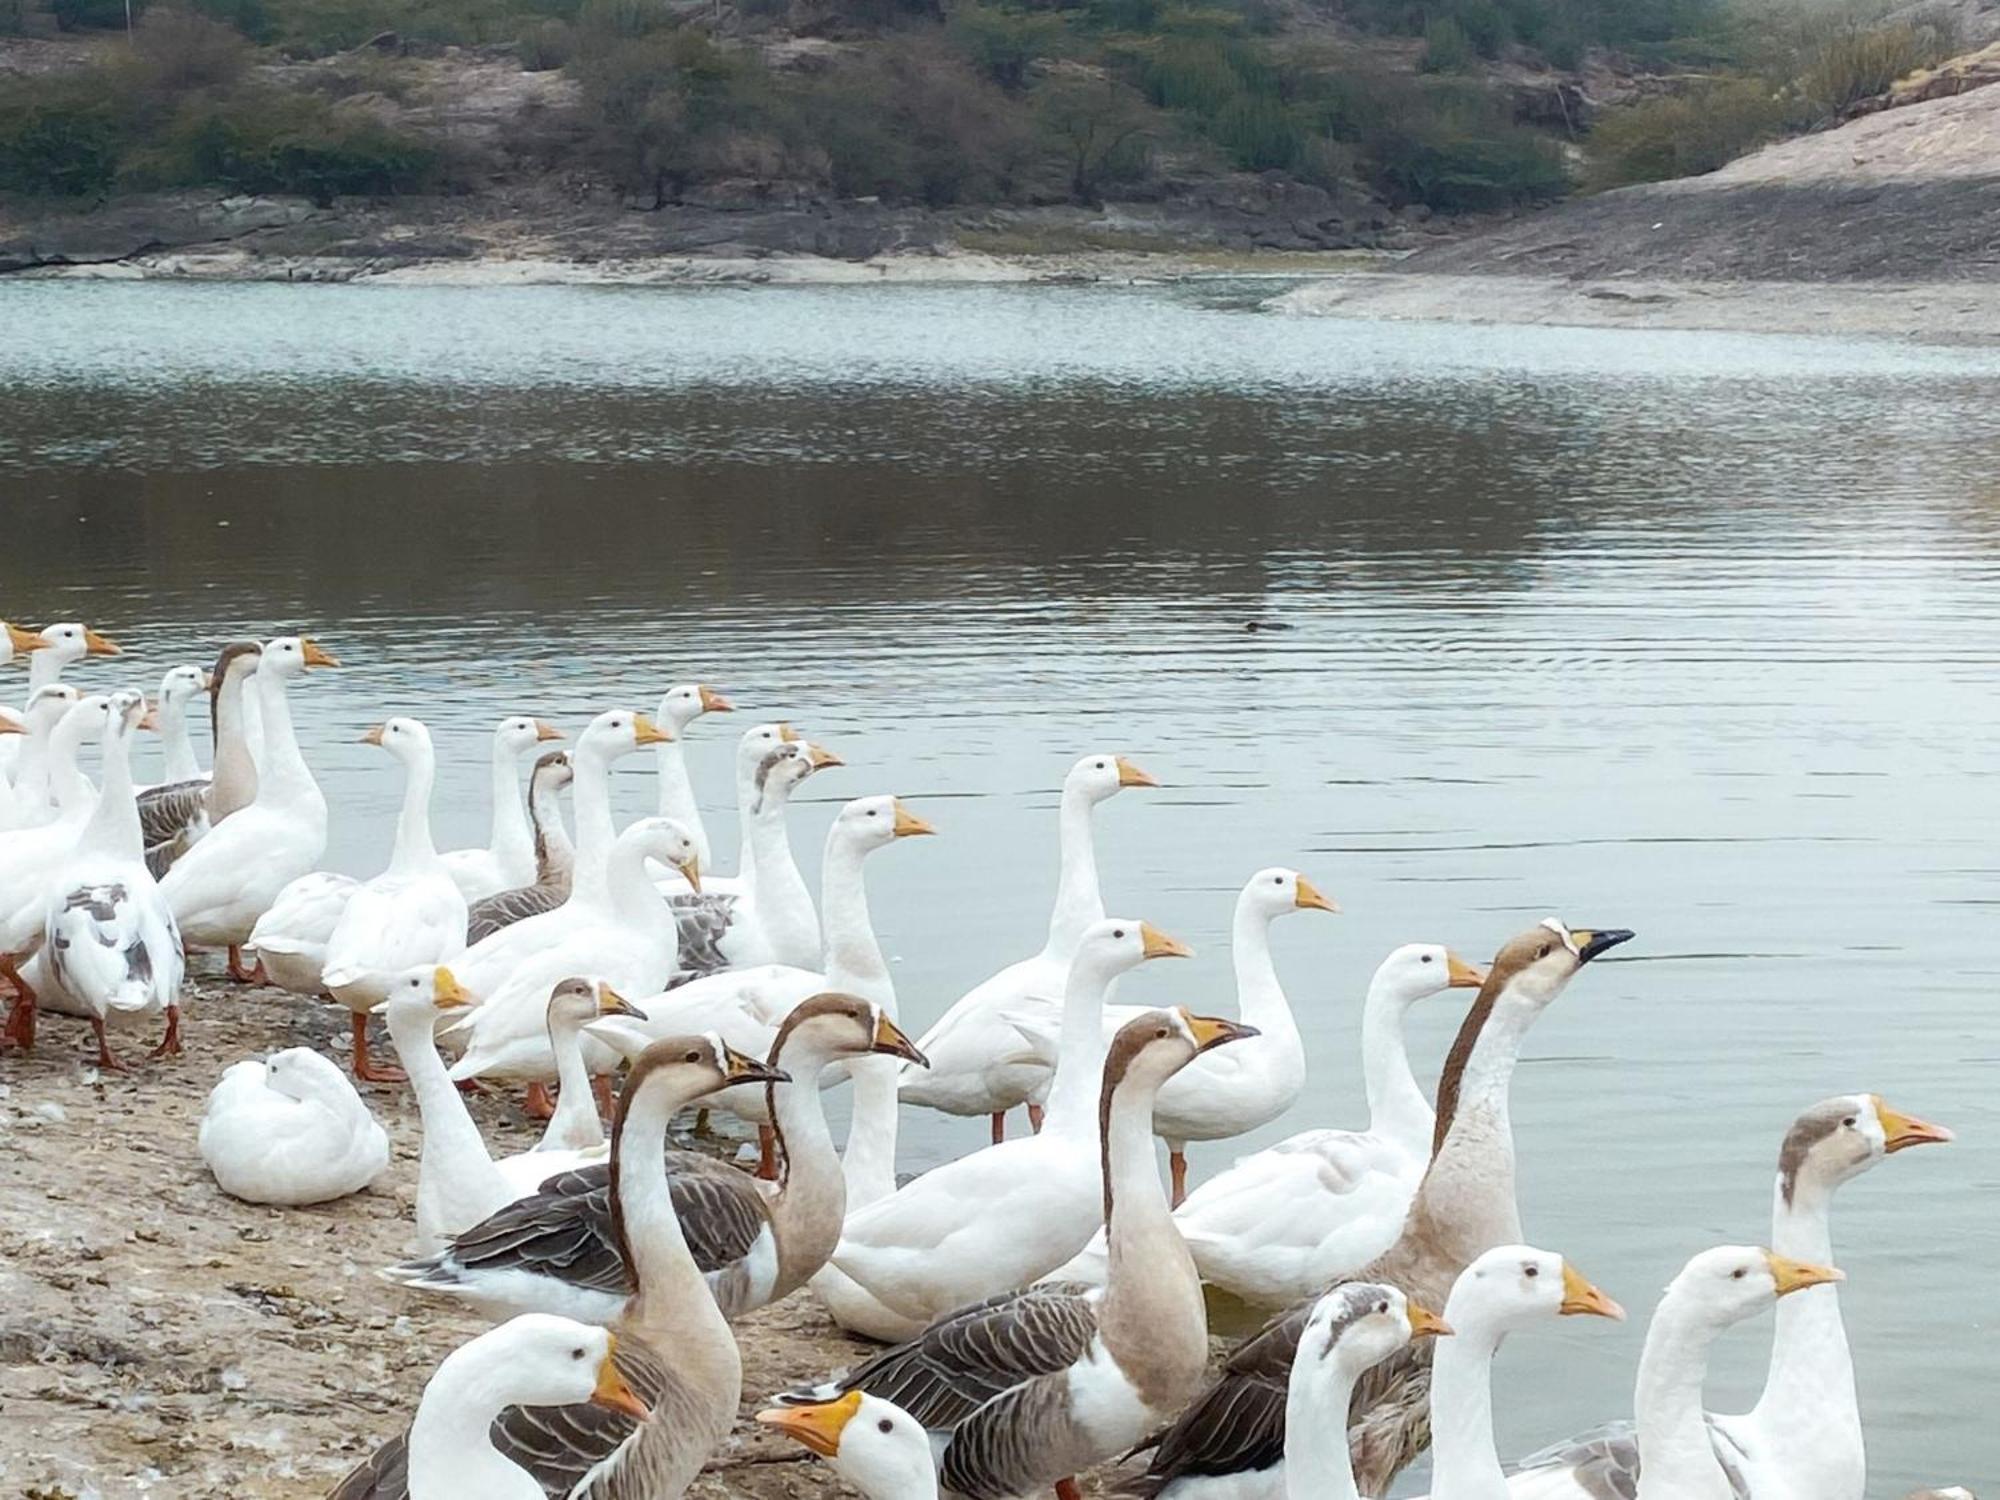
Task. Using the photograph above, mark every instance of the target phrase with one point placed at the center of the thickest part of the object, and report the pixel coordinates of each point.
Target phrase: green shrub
(545, 46)
(1681, 135)
(269, 142)
(1852, 65)
(1485, 24)
(251, 17)
(1097, 131)
(57, 140)
(1447, 49)
(179, 50)
(1004, 44)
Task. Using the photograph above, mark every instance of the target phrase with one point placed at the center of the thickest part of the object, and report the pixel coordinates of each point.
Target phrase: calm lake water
(1696, 634)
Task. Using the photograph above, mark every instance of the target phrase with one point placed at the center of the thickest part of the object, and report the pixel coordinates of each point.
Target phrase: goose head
(1535, 966)
(779, 771)
(520, 734)
(1104, 775)
(677, 1070)
(833, 1025)
(1116, 944)
(1838, 1139)
(1356, 1326)
(869, 823)
(1156, 1044)
(619, 731)
(1730, 1283)
(552, 772)
(181, 686)
(47, 706)
(1512, 1286)
(234, 663)
(681, 705)
(1416, 971)
(540, 1359)
(1272, 893)
(409, 740)
(89, 718)
(426, 993)
(14, 641)
(129, 714)
(666, 840)
(758, 742)
(302, 1074)
(576, 1002)
(288, 656)
(876, 1446)
(73, 641)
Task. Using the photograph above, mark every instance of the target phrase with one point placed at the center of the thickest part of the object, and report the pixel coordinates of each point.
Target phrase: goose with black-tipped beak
(1803, 1440)
(223, 884)
(1026, 1389)
(508, 860)
(996, 1220)
(978, 1065)
(1284, 1222)
(674, 1346)
(180, 810)
(756, 1242)
(411, 915)
(1228, 1444)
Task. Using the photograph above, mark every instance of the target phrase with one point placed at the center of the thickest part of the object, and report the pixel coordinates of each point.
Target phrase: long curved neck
(668, 1286)
(1146, 1255)
(176, 749)
(67, 783)
(31, 770)
(595, 832)
(868, 1162)
(414, 848)
(453, 1150)
(634, 898)
(1465, 1463)
(451, 1448)
(784, 904)
(1317, 1463)
(1260, 998)
(1676, 1456)
(853, 956)
(1397, 1109)
(232, 781)
(114, 827)
(44, 667)
(282, 774)
(1080, 1051)
(812, 1193)
(555, 856)
(510, 840)
(575, 1125)
(1811, 1379)
(1078, 902)
(677, 793)
(746, 802)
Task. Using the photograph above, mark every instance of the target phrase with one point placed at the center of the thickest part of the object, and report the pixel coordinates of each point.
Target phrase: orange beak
(1310, 899)
(1159, 945)
(1901, 1131)
(1131, 775)
(546, 731)
(1462, 975)
(821, 757)
(908, 823)
(149, 719)
(1581, 1298)
(713, 702)
(646, 732)
(818, 1427)
(612, 1393)
(787, 735)
(97, 645)
(374, 736)
(24, 640)
(317, 655)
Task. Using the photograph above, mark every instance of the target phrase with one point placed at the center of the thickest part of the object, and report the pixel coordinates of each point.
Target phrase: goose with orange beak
(508, 860)
(997, 1219)
(679, 707)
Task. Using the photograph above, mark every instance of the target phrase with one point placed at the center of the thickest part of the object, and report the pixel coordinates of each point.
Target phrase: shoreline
(1357, 285)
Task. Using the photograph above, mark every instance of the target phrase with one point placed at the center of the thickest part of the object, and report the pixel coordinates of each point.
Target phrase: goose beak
(612, 1393)
(1156, 944)
(892, 1041)
(374, 736)
(1462, 975)
(97, 645)
(544, 730)
(24, 640)
(12, 726)
(1131, 775)
(149, 719)
(713, 702)
(908, 824)
(1214, 1031)
(787, 735)
(1581, 1298)
(1795, 1275)
(1592, 941)
(816, 1427)
(1901, 1131)
(611, 1003)
(446, 992)
(646, 732)
(821, 757)
(740, 1067)
(207, 681)
(690, 869)
(1425, 1324)
(317, 655)
(1310, 899)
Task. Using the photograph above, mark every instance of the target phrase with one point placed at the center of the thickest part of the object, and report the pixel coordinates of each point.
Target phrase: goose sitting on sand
(290, 1129)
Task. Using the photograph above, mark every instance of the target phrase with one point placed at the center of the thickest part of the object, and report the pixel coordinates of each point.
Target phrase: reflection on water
(1684, 632)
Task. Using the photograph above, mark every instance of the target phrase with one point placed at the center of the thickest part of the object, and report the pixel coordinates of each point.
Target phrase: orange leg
(539, 1102)
(999, 1126)
(1035, 1118)
(104, 1058)
(20, 1030)
(1066, 1490)
(170, 1044)
(365, 1070)
(767, 1153)
(242, 975)
(1177, 1161)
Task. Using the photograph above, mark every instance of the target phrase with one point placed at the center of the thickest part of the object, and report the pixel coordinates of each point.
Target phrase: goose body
(508, 860)
(290, 1130)
(290, 938)
(29, 857)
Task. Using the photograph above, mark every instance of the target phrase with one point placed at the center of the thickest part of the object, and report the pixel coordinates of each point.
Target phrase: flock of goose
(1042, 1298)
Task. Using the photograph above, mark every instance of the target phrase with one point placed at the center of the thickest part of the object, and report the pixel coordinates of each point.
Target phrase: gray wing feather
(1001, 1449)
(166, 810)
(503, 909)
(1605, 1461)
(702, 921)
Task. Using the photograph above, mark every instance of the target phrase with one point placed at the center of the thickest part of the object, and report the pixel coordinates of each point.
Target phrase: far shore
(1356, 285)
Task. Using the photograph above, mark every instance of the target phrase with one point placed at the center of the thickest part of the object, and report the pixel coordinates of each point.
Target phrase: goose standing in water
(974, 1049)
(674, 1346)
(555, 856)
(1227, 1445)
(411, 915)
(1803, 1439)
(224, 883)
(508, 860)
(181, 809)
(1026, 1389)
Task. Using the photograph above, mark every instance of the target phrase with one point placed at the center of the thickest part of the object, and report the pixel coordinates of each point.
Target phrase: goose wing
(488, 916)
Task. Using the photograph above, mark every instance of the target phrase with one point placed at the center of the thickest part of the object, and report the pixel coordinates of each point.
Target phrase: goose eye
(885, 1425)
(576, 1354)
(1848, 1122)
(1737, 1274)
(692, 1057)
(871, 812)
(1427, 958)
(1543, 951)
(1531, 1272)
(1277, 880)
(1161, 1032)
(1118, 932)
(1381, 1307)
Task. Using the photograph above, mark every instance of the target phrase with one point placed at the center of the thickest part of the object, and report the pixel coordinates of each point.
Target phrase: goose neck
(1676, 1458)
(595, 832)
(868, 1164)
(451, 1448)
(232, 782)
(177, 750)
(282, 774)
(452, 1149)
(1318, 1465)
(414, 848)
(853, 956)
(114, 826)
(510, 840)
(575, 1125)
(668, 1286)
(45, 667)
(1465, 1459)
(677, 793)
(555, 856)
(784, 903)
(1260, 998)
(1080, 1051)
(1078, 902)
(1397, 1108)
(1811, 1379)
(812, 1197)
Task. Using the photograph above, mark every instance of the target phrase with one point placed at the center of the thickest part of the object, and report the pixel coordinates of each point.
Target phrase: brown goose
(674, 1349)
(557, 1250)
(555, 856)
(1025, 1389)
(1230, 1442)
(174, 814)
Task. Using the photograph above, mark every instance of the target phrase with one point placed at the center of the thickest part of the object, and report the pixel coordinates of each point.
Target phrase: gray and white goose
(180, 810)
(555, 855)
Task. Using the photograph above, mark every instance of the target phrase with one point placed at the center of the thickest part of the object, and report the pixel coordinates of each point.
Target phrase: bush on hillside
(1850, 65)
(1683, 135)
(1447, 49)
(1004, 43)
(58, 140)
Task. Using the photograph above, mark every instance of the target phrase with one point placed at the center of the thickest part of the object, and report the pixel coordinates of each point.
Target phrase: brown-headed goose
(555, 856)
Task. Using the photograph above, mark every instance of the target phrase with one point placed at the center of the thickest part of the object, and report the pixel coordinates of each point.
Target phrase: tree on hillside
(1098, 126)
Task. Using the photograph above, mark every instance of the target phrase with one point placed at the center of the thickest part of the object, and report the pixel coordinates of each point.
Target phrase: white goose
(49, 651)
(751, 747)
(1282, 1223)
(411, 915)
(110, 949)
(879, 1449)
(1803, 1439)
(290, 1129)
(178, 812)
(179, 687)
(223, 884)
(508, 860)
(977, 1062)
(28, 801)
(1001, 1217)
(679, 707)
